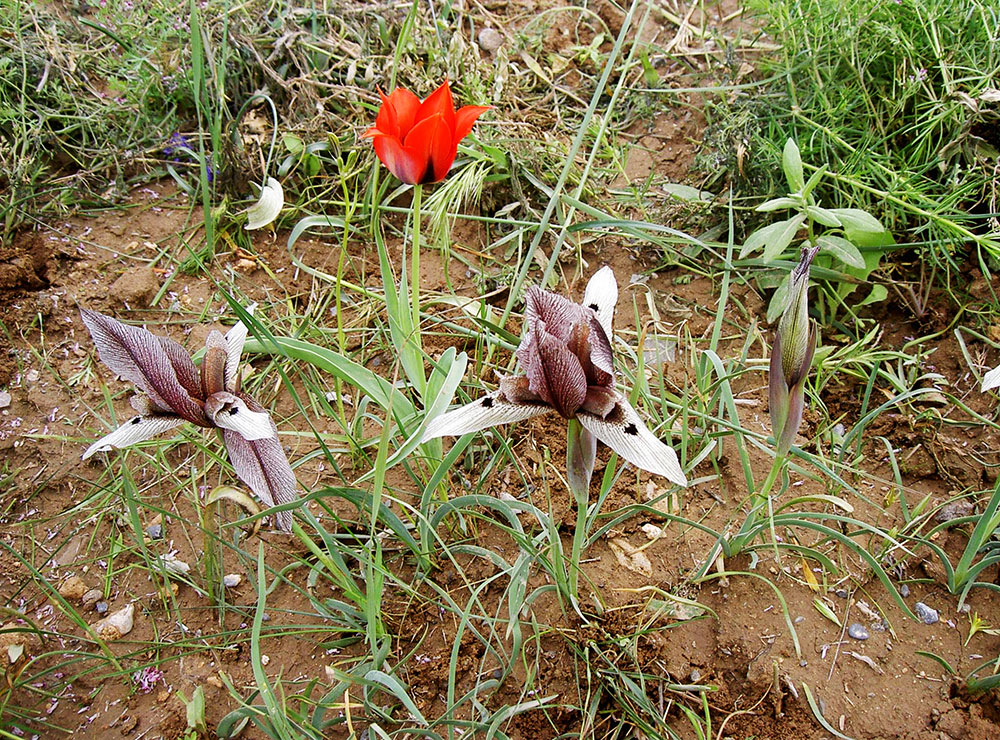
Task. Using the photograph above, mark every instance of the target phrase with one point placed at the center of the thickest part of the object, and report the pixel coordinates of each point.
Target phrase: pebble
(231, 580)
(91, 598)
(926, 614)
(4, 399)
(155, 531)
(489, 40)
(840, 593)
(695, 675)
(858, 631)
(955, 510)
(904, 590)
(116, 625)
(101, 607)
(73, 588)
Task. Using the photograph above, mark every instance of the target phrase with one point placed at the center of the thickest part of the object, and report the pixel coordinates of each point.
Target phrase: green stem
(760, 498)
(415, 260)
(581, 451)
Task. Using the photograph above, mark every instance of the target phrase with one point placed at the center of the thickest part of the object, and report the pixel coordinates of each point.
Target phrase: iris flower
(417, 141)
(174, 392)
(567, 362)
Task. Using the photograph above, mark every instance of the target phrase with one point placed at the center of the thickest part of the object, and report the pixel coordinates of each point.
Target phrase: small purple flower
(175, 144)
(146, 679)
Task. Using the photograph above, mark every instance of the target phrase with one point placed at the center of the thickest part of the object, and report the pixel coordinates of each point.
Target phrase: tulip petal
(398, 160)
(991, 379)
(229, 411)
(625, 433)
(440, 103)
(430, 141)
(263, 466)
(267, 207)
(464, 118)
(138, 356)
(135, 430)
(485, 412)
(399, 110)
(601, 297)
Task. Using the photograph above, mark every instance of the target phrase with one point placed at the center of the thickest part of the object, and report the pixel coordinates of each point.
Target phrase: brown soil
(883, 687)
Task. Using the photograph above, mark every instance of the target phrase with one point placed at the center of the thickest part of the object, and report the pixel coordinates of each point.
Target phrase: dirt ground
(884, 686)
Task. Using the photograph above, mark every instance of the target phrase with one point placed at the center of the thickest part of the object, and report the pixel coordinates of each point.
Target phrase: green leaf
(878, 294)
(791, 163)
(779, 299)
(776, 204)
(774, 238)
(822, 216)
(813, 181)
(854, 219)
(842, 250)
(686, 192)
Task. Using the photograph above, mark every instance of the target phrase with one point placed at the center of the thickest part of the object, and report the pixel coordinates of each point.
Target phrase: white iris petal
(267, 207)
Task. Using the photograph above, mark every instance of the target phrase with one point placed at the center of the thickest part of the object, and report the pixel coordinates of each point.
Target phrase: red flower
(417, 141)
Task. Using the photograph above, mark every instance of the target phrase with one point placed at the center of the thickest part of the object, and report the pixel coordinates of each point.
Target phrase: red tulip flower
(417, 141)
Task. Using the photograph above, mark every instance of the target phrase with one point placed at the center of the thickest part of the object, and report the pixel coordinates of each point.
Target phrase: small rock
(91, 598)
(880, 626)
(904, 590)
(695, 675)
(137, 286)
(4, 399)
(101, 607)
(489, 40)
(115, 625)
(155, 531)
(840, 593)
(174, 566)
(926, 614)
(73, 588)
(231, 580)
(858, 631)
(955, 510)
(265, 659)
(799, 620)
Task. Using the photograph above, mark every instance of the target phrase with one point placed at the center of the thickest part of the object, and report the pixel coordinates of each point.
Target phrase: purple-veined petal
(777, 389)
(135, 430)
(137, 355)
(625, 433)
(601, 297)
(229, 411)
(185, 370)
(564, 375)
(559, 314)
(485, 412)
(262, 465)
(213, 365)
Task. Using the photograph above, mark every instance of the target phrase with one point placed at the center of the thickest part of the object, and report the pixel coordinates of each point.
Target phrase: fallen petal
(991, 379)
(116, 625)
(625, 433)
(485, 412)
(267, 207)
(135, 430)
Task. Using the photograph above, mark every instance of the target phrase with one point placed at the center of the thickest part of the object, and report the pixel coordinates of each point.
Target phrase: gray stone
(926, 614)
(490, 40)
(857, 631)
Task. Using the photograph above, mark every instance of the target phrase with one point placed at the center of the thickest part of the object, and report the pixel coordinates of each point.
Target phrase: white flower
(267, 207)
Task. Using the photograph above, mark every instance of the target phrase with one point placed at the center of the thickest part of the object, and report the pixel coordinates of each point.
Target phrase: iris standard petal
(624, 432)
(187, 373)
(269, 204)
(235, 339)
(991, 379)
(558, 313)
(135, 430)
(564, 375)
(601, 297)
(138, 356)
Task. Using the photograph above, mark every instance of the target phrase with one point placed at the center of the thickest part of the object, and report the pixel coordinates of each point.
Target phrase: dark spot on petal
(234, 410)
(136, 420)
(593, 307)
(488, 402)
(631, 429)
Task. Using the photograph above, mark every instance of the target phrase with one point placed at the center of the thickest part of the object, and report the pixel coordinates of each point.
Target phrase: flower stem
(760, 498)
(581, 451)
(415, 262)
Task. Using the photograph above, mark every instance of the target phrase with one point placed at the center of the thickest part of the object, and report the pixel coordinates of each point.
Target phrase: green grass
(404, 550)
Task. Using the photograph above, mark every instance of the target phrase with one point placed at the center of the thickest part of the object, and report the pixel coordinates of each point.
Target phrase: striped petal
(488, 411)
(229, 411)
(135, 430)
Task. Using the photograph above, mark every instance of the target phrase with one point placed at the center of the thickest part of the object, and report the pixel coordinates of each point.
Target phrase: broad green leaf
(813, 181)
(842, 250)
(822, 216)
(779, 299)
(854, 219)
(791, 163)
(878, 294)
(773, 238)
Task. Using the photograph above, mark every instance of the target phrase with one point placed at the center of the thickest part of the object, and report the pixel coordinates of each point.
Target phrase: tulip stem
(415, 265)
